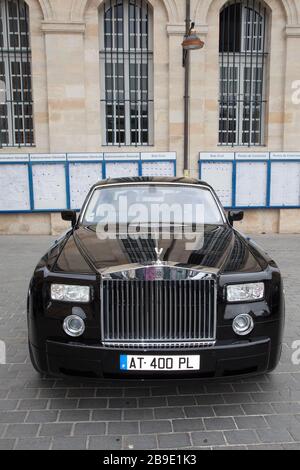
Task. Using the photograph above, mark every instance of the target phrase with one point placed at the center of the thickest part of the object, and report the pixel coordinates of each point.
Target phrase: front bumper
(224, 360)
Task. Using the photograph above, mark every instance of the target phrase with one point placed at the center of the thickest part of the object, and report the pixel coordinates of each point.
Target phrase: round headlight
(74, 326)
(243, 324)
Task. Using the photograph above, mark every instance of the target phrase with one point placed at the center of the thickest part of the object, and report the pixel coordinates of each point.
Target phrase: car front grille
(158, 314)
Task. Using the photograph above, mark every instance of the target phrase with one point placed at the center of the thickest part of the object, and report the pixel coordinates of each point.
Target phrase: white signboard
(82, 177)
(252, 156)
(122, 156)
(76, 157)
(49, 183)
(251, 184)
(158, 156)
(285, 156)
(285, 184)
(217, 156)
(14, 188)
(14, 157)
(48, 157)
(219, 176)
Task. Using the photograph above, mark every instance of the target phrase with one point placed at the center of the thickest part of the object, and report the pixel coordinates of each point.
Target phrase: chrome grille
(159, 314)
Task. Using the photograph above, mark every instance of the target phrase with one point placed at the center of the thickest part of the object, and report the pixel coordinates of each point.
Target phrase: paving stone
(281, 421)
(105, 442)
(138, 414)
(168, 413)
(7, 444)
(55, 429)
(241, 437)
(140, 442)
(74, 415)
(187, 425)
(122, 403)
(130, 427)
(251, 422)
(61, 404)
(207, 439)
(21, 430)
(69, 443)
(33, 404)
(174, 441)
(184, 400)
(274, 436)
(106, 415)
(219, 424)
(90, 429)
(155, 426)
(8, 405)
(39, 443)
(258, 409)
(228, 410)
(42, 417)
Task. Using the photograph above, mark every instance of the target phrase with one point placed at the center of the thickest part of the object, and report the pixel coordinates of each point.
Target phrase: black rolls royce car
(151, 281)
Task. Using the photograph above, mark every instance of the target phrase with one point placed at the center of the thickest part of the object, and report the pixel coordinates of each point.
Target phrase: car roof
(148, 179)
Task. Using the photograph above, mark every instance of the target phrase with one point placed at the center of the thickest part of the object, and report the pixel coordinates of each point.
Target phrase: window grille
(16, 105)
(243, 57)
(126, 60)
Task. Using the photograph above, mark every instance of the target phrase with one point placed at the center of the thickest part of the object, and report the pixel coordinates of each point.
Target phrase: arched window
(243, 57)
(126, 61)
(16, 106)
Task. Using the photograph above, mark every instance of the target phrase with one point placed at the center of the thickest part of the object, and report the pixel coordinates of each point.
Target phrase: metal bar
(252, 16)
(187, 93)
(68, 190)
(263, 76)
(31, 189)
(10, 128)
(148, 74)
(256, 67)
(113, 112)
(106, 74)
(228, 10)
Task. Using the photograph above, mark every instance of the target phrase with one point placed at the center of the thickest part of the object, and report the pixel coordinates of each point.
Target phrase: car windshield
(152, 204)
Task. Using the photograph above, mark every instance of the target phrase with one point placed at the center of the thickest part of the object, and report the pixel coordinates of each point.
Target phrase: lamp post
(191, 42)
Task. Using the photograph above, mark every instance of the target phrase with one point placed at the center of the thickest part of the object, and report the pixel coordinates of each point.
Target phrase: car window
(154, 204)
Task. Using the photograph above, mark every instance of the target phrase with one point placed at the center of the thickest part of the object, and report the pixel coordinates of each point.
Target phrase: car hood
(219, 247)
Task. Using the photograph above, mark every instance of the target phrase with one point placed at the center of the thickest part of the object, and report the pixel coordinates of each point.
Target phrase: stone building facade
(66, 85)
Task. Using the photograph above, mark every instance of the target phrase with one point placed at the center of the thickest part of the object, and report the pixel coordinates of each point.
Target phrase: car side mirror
(235, 216)
(70, 216)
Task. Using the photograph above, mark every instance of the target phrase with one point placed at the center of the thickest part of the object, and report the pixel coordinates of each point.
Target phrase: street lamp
(191, 42)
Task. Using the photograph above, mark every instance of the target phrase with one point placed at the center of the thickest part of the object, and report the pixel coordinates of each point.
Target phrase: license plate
(159, 363)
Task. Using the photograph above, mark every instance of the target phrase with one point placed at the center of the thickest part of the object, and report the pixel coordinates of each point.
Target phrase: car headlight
(67, 293)
(246, 292)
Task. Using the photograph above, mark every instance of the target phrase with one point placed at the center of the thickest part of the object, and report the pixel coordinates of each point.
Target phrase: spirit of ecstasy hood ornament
(159, 253)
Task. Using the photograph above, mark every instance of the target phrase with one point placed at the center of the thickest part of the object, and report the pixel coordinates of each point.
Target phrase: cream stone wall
(66, 85)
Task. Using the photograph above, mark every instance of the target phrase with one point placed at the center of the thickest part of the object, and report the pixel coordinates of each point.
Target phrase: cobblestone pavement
(46, 413)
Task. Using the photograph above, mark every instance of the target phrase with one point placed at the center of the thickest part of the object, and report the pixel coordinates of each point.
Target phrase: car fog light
(243, 325)
(74, 326)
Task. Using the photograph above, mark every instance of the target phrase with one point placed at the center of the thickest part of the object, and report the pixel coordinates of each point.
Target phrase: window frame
(127, 56)
(19, 55)
(254, 59)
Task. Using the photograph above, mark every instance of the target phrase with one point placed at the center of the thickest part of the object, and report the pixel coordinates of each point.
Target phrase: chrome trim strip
(146, 346)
